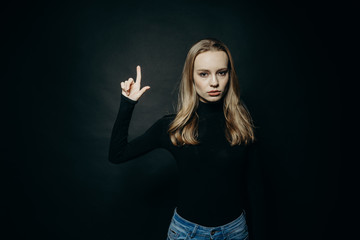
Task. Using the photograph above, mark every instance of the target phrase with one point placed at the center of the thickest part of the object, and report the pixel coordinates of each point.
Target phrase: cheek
(225, 82)
(199, 85)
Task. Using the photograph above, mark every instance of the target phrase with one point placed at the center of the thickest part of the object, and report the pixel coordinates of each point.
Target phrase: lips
(214, 93)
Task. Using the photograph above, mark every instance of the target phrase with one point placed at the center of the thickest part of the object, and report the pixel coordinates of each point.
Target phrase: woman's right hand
(131, 89)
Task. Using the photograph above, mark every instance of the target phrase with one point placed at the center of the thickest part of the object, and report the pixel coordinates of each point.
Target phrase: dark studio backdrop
(65, 61)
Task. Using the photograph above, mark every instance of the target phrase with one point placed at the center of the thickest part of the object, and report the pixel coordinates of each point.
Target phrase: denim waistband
(203, 230)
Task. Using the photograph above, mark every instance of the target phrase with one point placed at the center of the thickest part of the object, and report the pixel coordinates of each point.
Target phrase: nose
(214, 81)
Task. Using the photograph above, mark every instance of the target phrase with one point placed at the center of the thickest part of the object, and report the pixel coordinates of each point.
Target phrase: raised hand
(131, 89)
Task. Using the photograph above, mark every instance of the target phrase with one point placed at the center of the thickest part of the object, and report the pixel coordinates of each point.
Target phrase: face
(211, 75)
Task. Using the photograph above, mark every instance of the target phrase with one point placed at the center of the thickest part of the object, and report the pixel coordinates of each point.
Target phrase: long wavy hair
(184, 128)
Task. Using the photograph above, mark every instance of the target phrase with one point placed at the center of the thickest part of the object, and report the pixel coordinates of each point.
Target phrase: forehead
(211, 60)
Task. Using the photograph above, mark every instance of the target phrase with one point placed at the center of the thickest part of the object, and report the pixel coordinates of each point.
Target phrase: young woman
(209, 137)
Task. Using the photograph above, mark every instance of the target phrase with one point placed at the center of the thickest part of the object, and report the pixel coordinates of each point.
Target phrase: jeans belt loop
(194, 231)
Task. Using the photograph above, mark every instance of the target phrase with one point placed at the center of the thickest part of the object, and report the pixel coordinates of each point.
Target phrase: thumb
(144, 89)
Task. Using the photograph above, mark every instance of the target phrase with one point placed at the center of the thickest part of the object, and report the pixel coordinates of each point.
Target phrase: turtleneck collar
(210, 108)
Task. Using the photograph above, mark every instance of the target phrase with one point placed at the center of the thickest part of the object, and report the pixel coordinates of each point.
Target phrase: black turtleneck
(212, 182)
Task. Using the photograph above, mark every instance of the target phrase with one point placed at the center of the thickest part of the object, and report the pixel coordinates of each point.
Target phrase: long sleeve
(120, 149)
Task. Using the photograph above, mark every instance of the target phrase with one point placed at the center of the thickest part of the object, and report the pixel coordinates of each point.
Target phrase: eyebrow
(221, 69)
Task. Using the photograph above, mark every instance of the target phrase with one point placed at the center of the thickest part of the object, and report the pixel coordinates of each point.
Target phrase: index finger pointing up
(138, 74)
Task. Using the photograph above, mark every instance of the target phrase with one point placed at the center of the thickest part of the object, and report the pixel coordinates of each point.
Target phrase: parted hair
(183, 130)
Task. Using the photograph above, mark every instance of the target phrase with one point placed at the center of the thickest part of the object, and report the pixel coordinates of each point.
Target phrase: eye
(223, 73)
(203, 74)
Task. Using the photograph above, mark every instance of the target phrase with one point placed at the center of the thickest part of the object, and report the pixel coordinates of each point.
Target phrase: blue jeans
(183, 229)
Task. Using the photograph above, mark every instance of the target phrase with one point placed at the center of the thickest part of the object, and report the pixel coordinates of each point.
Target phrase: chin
(210, 99)
(214, 99)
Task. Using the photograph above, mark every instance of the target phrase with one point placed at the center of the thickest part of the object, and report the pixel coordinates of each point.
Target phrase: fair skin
(132, 89)
(211, 75)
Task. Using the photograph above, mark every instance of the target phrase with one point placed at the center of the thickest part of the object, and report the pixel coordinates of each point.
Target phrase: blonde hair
(184, 128)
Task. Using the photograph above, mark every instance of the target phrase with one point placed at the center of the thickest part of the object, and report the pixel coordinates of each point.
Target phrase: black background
(64, 62)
